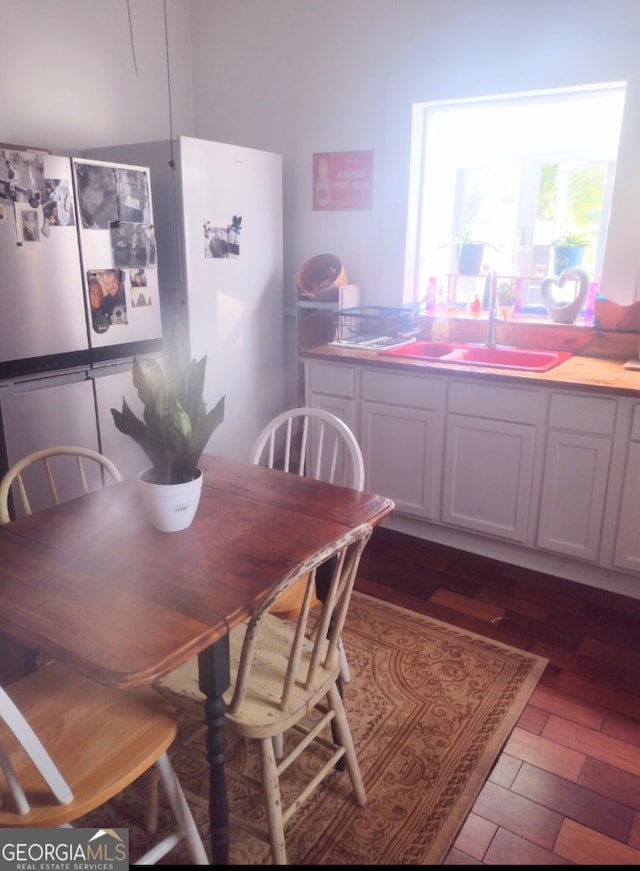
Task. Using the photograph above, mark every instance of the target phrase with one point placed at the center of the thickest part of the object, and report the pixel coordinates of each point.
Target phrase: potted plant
(470, 250)
(175, 429)
(507, 297)
(568, 250)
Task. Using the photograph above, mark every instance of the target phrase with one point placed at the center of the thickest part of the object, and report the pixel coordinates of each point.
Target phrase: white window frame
(620, 276)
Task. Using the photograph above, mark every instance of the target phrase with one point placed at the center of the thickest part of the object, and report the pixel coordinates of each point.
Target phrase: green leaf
(204, 430)
(176, 425)
(130, 425)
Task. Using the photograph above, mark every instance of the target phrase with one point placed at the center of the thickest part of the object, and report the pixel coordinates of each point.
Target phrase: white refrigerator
(218, 226)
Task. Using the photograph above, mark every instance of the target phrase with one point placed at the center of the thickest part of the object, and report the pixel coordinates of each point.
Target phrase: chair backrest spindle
(83, 457)
(312, 442)
(312, 657)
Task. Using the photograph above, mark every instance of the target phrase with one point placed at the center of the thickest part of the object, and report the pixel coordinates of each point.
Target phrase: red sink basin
(503, 357)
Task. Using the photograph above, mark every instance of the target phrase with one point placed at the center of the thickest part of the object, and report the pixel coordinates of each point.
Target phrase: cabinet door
(487, 475)
(342, 408)
(400, 456)
(574, 488)
(332, 388)
(627, 549)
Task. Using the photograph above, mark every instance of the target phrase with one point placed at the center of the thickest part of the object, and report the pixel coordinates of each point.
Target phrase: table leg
(214, 679)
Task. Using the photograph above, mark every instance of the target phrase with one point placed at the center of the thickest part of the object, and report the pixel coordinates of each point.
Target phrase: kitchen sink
(501, 356)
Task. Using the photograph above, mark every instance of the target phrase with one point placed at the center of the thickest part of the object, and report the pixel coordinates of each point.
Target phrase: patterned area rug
(430, 707)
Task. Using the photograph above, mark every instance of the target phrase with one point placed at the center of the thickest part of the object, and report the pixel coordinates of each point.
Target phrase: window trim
(620, 273)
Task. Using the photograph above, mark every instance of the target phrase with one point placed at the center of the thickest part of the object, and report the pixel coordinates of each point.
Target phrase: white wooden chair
(317, 444)
(97, 740)
(311, 442)
(86, 470)
(282, 670)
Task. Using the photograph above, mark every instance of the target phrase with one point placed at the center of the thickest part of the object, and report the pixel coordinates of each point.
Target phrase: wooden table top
(90, 582)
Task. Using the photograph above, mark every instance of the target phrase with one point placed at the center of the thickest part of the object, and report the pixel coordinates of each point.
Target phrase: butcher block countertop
(591, 374)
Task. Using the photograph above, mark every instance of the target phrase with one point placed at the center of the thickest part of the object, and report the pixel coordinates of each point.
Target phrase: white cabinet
(542, 475)
(489, 458)
(576, 472)
(332, 387)
(627, 545)
(399, 439)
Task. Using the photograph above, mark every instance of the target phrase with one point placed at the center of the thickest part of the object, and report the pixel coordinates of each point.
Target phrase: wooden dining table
(91, 583)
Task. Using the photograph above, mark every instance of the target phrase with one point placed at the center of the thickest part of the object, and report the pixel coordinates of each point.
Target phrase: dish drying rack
(375, 327)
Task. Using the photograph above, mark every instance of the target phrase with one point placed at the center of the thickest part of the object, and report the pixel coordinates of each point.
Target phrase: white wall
(305, 76)
(68, 78)
(298, 77)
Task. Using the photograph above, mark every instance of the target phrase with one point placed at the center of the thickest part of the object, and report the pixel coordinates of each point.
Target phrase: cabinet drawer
(406, 390)
(514, 404)
(592, 414)
(335, 380)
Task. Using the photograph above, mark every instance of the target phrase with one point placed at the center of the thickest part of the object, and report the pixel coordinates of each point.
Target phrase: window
(517, 173)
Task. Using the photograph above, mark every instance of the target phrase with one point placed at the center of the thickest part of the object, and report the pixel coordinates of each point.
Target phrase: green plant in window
(571, 240)
(468, 234)
(507, 292)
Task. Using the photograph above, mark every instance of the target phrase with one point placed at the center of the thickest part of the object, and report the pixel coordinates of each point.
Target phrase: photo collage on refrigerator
(34, 202)
(222, 238)
(114, 203)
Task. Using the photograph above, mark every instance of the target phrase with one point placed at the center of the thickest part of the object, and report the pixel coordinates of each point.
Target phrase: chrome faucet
(492, 283)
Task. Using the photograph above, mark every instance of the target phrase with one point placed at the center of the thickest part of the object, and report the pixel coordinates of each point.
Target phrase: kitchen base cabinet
(332, 388)
(627, 553)
(542, 477)
(488, 475)
(576, 472)
(627, 544)
(573, 494)
(398, 447)
(400, 440)
(489, 457)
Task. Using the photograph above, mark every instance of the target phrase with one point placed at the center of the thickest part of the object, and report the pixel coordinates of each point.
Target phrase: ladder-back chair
(63, 468)
(314, 443)
(284, 669)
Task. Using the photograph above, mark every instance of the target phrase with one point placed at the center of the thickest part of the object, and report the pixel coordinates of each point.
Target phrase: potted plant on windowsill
(470, 257)
(470, 250)
(568, 250)
(507, 298)
(175, 429)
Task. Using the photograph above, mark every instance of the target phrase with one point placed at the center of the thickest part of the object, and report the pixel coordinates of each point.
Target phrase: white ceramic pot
(171, 507)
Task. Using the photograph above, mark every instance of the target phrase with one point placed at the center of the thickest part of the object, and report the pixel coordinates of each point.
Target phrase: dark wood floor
(566, 788)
